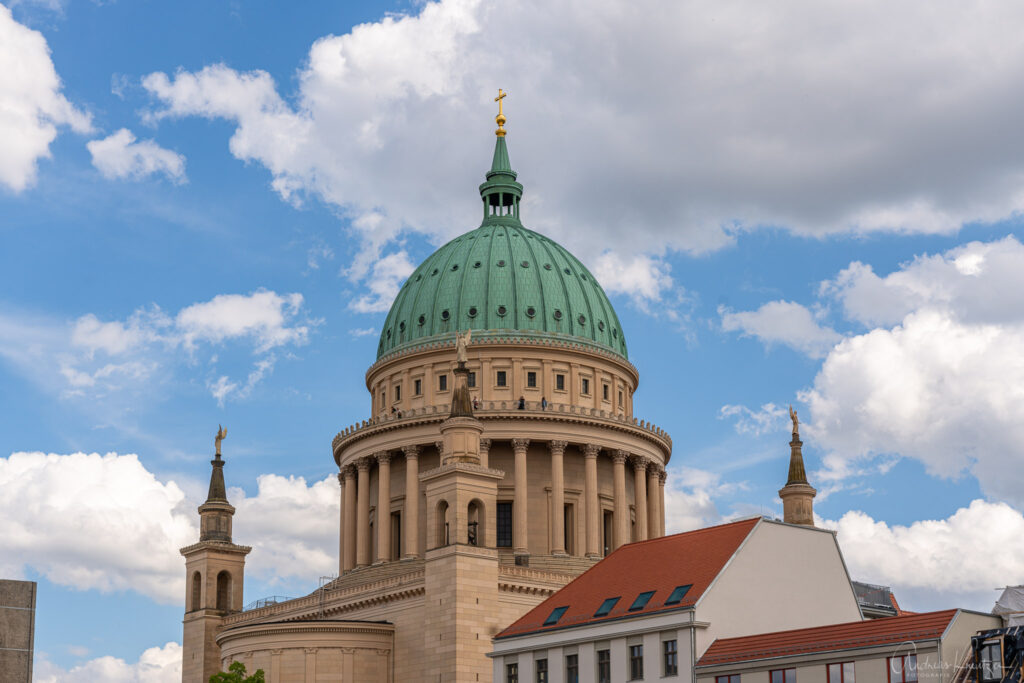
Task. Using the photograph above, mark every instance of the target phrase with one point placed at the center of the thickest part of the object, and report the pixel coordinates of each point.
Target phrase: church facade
(501, 459)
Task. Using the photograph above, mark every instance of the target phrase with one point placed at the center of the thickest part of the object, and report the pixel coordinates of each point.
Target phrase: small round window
(422, 319)
(434, 272)
(583, 277)
(418, 278)
(472, 311)
(547, 266)
(600, 325)
(455, 267)
(531, 311)
(502, 310)
(401, 326)
(501, 264)
(389, 334)
(445, 314)
(615, 333)
(477, 264)
(525, 264)
(582, 319)
(557, 314)
(564, 270)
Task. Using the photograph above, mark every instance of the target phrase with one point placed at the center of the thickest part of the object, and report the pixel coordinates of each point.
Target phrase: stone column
(485, 451)
(654, 512)
(621, 507)
(640, 497)
(383, 506)
(349, 534)
(341, 524)
(662, 475)
(593, 511)
(363, 513)
(412, 501)
(520, 541)
(557, 497)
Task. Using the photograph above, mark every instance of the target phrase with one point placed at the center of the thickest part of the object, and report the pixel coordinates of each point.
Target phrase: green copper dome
(501, 280)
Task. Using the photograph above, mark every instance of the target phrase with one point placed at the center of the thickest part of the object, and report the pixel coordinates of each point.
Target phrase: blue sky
(205, 210)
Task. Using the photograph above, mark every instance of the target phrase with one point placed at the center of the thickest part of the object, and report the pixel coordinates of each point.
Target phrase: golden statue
(500, 118)
(796, 421)
(221, 435)
(461, 342)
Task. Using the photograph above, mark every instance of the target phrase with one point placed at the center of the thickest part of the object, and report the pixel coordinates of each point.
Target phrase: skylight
(677, 594)
(606, 607)
(641, 601)
(555, 615)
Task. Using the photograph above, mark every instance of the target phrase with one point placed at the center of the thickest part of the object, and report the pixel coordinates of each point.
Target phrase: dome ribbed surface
(502, 277)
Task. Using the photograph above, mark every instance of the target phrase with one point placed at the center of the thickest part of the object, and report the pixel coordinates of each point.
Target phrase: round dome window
(557, 314)
(434, 272)
(455, 267)
(401, 326)
(445, 314)
(600, 325)
(582, 319)
(472, 311)
(547, 266)
(531, 311)
(525, 264)
(501, 264)
(477, 264)
(567, 271)
(422, 319)
(502, 310)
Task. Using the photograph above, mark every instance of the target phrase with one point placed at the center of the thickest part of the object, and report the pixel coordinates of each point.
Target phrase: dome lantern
(501, 193)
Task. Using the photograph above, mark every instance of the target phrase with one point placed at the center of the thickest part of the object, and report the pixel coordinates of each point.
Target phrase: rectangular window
(542, 671)
(585, 386)
(841, 673)
(604, 666)
(670, 652)
(383, 399)
(531, 380)
(471, 380)
(572, 669)
(641, 601)
(417, 387)
(677, 594)
(606, 607)
(990, 661)
(902, 669)
(560, 382)
(512, 673)
(502, 379)
(555, 615)
(442, 383)
(782, 676)
(636, 662)
(398, 392)
(728, 678)
(504, 524)
(620, 399)
(604, 391)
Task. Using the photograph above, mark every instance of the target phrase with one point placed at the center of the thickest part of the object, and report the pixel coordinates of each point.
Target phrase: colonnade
(648, 497)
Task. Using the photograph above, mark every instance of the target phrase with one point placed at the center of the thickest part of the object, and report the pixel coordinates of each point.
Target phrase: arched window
(224, 591)
(197, 591)
(475, 523)
(443, 533)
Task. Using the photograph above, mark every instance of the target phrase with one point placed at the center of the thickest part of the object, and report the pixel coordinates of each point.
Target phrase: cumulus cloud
(765, 420)
(387, 275)
(155, 665)
(755, 129)
(782, 322)
(120, 156)
(933, 564)
(31, 103)
(642, 277)
(689, 499)
(264, 317)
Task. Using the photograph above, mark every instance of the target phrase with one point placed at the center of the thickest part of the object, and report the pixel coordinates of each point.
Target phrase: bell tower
(214, 574)
(798, 494)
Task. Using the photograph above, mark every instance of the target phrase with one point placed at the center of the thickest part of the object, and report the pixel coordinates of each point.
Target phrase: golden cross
(499, 98)
(500, 118)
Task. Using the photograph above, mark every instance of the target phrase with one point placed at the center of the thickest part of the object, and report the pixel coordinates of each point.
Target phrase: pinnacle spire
(797, 475)
(218, 492)
(501, 193)
(798, 494)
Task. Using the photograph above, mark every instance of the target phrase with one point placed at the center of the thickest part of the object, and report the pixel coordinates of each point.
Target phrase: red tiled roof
(884, 631)
(660, 565)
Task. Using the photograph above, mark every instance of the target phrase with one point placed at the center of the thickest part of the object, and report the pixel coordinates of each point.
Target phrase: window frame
(903, 668)
(610, 603)
(604, 666)
(512, 672)
(584, 386)
(784, 673)
(398, 392)
(559, 381)
(540, 668)
(417, 386)
(985, 645)
(606, 392)
(442, 382)
(728, 678)
(572, 668)
(500, 523)
(471, 380)
(531, 379)
(501, 379)
(842, 672)
(670, 657)
(636, 662)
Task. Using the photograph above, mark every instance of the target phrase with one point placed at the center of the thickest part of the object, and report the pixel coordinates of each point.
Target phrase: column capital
(558, 446)
(619, 456)
(349, 471)
(382, 457)
(640, 463)
(591, 450)
(662, 476)
(363, 464)
(411, 452)
(485, 444)
(520, 444)
(439, 445)
(341, 478)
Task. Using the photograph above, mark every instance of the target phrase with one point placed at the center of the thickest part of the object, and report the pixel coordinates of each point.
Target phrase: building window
(383, 399)
(841, 673)
(902, 669)
(620, 399)
(442, 383)
(542, 671)
(783, 676)
(502, 379)
(504, 525)
(417, 387)
(398, 392)
(990, 661)
(572, 669)
(728, 678)
(604, 391)
(604, 666)
(585, 386)
(560, 382)
(531, 380)
(636, 662)
(471, 380)
(512, 673)
(670, 652)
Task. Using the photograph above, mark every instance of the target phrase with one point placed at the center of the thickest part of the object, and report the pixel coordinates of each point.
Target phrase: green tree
(236, 674)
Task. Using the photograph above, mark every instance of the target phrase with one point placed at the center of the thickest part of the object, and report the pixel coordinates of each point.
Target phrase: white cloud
(155, 665)
(362, 332)
(689, 498)
(262, 316)
(119, 155)
(782, 322)
(934, 564)
(31, 104)
(643, 278)
(769, 418)
(386, 277)
(756, 129)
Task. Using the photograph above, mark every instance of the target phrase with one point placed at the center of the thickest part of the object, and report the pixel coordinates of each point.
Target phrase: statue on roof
(221, 435)
(461, 342)
(796, 422)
